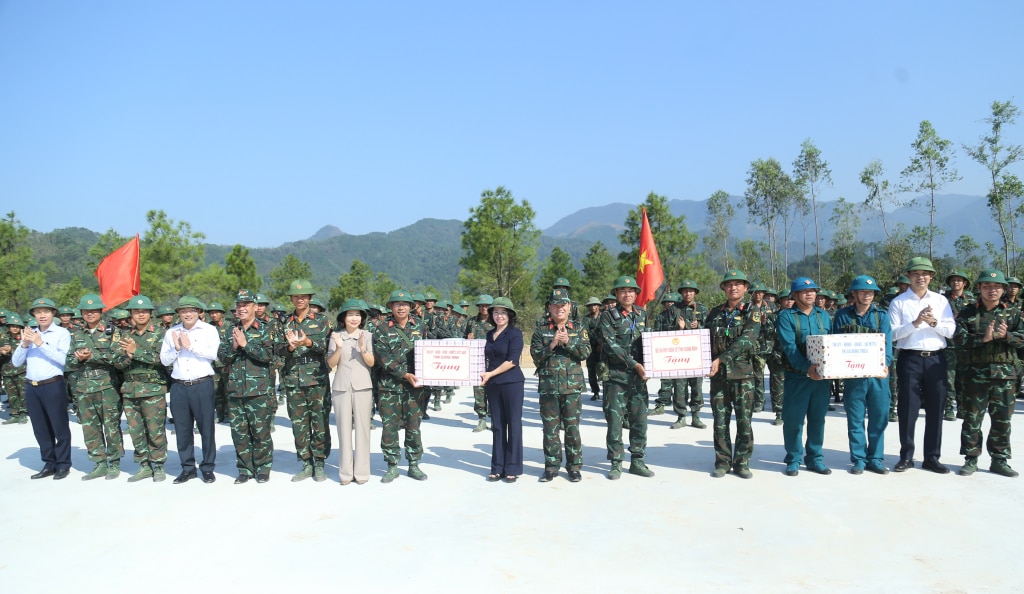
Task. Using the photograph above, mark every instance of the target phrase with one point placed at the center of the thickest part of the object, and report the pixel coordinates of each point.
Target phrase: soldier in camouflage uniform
(668, 387)
(478, 329)
(247, 351)
(989, 333)
(689, 315)
(13, 376)
(958, 283)
(399, 388)
(92, 362)
(626, 389)
(220, 400)
(558, 347)
(734, 330)
(594, 360)
(303, 347)
(765, 342)
(144, 390)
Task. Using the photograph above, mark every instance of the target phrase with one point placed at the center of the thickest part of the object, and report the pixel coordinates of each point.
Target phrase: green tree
(241, 265)
(499, 247)
(104, 246)
(67, 293)
(382, 287)
(929, 170)
(559, 264)
(23, 278)
(845, 247)
(281, 277)
(719, 220)
(770, 197)
(213, 283)
(879, 197)
(354, 284)
(749, 257)
(598, 273)
(810, 173)
(969, 255)
(992, 153)
(170, 253)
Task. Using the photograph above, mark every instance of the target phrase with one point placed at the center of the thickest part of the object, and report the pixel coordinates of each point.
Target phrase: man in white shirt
(43, 351)
(921, 321)
(191, 347)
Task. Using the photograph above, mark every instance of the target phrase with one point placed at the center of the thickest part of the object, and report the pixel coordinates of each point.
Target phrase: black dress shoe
(61, 474)
(185, 477)
(43, 473)
(242, 478)
(262, 477)
(935, 466)
(548, 476)
(903, 465)
(575, 476)
(208, 477)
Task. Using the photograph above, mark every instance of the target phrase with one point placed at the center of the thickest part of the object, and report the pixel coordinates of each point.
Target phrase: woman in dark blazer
(503, 383)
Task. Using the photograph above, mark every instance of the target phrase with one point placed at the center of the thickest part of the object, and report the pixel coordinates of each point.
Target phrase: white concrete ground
(678, 531)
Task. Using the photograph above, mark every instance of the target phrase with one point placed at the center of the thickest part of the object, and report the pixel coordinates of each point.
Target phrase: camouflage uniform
(305, 380)
(765, 346)
(247, 374)
(14, 379)
(561, 387)
(399, 402)
(989, 372)
(625, 392)
(478, 329)
(734, 342)
(682, 391)
(145, 403)
(954, 386)
(594, 360)
(99, 405)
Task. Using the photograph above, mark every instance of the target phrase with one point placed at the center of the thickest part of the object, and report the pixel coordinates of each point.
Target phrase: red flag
(118, 274)
(649, 273)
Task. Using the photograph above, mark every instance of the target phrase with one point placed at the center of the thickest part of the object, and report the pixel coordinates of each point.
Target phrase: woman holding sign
(503, 383)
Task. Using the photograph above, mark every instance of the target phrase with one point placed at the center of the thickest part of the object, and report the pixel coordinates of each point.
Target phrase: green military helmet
(464, 303)
(484, 299)
(13, 319)
(429, 296)
(43, 302)
(317, 302)
(504, 303)
(670, 297)
(301, 287)
(593, 301)
(992, 275)
(189, 301)
(864, 283)
(841, 301)
(462, 309)
(758, 287)
(33, 323)
(139, 302)
(625, 282)
(609, 298)
(163, 310)
(400, 296)
(262, 299)
(77, 315)
(1012, 280)
(202, 306)
(64, 310)
(561, 282)
(558, 296)
(770, 291)
(417, 297)
(353, 305)
(89, 301)
(891, 291)
(215, 306)
(441, 303)
(278, 308)
(920, 263)
(3, 312)
(961, 274)
(784, 293)
(688, 283)
(245, 296)
(119, 314)
(903, 280)
(734, 275)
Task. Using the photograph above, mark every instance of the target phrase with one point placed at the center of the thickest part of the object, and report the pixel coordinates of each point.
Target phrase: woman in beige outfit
(350, 355)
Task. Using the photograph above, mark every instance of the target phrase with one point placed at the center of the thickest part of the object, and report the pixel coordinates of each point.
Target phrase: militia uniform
(13, 376)
(594, 360)
(989, 367)
(953, 387)
(478, 328)
(621, 327)
(560, 388)
(144, 394)
(685, 391)
(734, 330)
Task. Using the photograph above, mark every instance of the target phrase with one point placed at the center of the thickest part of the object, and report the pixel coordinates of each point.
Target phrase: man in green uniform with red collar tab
(478, 328)
(958, 283)
(302, 344)
(621, 327)
(13, 375)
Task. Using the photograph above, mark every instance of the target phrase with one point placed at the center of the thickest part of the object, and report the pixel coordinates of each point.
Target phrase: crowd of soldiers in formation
(604, 337)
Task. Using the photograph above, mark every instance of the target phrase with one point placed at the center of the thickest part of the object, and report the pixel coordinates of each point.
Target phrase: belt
(301, 360)
(193, 382)
(45, 381)
(920, 353)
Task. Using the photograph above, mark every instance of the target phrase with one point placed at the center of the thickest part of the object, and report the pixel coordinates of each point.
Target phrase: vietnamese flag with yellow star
(649, 274)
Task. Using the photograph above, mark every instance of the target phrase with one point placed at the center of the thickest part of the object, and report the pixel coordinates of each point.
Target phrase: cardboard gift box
(841, 356)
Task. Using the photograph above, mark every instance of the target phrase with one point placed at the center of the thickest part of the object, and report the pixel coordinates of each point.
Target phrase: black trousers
(48, 410)
(921, 379)
(194, 404)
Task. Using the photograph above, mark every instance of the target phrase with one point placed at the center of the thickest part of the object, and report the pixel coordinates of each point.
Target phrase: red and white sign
(841, 356)
(677, 353)
(449, 362)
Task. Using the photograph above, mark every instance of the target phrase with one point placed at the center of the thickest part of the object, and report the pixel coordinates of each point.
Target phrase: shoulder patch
(755, 316)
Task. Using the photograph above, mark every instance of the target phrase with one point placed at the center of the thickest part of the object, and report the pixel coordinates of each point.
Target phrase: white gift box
(841, 356)
(677, 353)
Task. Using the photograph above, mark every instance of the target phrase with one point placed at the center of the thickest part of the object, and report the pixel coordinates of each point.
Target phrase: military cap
(44, 302)
(163, 310)
(784, 293)
(462, 309)
(202, 305)
(262, 299)
(399, 296)
(758, 287)
(841, 301)
(920, 263)
(301, 287)
(625, 282)
(139, 302)
(3, 312)
(13, 319)
(802, 283)
(464, 303)
(593, 301)
(317, 302)
(88, 301)
(77, 315)
(671, 297)
(734, 275)
(903, 280)
(609, 297)
(65, 310)
(417, 297)
(503, 302)
(558, 296)
(1014, 281)
(428, 296)
(864, 283)
(119, 314)
(188, 301)
(277, 308)
(484, 299)
(353, 305)
(892, 291)
(562, 282)
(770, 291)
(215, 306)
(688, 283)
(441, 303)
(992, 275)
(961, 274)
(245, 296)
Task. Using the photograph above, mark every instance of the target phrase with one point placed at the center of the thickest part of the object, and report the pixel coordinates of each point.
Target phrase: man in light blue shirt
(43, 351)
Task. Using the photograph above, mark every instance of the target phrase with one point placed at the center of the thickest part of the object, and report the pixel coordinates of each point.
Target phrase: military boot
(481, 425)
(659, 409)
(319, 474)
(391, 474)
(680, 422)
(22, 419)
(1001, 467)
(696, 422)
(778, 419)
(616, 472)
(950, 415)
(305, 473)
(113, 470)
(159, 474)
(638, 468)
(97, 471)
(415, 473)
(969, 467)
(12, 420)
(144, 472)
(437, 402)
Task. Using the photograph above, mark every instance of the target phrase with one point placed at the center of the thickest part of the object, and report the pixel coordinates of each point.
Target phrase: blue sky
(260, 122)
